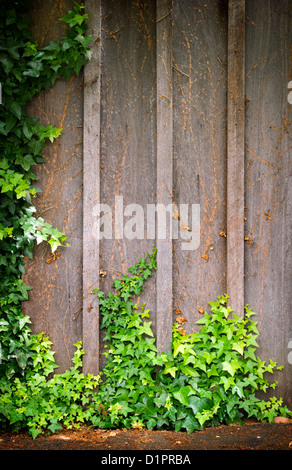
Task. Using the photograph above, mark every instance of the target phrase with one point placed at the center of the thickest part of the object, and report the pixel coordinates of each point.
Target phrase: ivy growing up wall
(25, 70)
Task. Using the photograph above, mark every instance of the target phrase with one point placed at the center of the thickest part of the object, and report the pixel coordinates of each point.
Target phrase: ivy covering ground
(208, 378)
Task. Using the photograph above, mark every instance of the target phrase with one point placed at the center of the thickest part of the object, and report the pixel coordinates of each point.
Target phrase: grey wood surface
(91, 192)
(268, 272)
(235, 154)
(199, 167)
(55, 304)
(164, 131)
(164, 122)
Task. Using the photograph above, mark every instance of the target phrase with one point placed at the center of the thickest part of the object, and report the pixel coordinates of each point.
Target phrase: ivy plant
(208, 378)
(38, 402)
(26, 69)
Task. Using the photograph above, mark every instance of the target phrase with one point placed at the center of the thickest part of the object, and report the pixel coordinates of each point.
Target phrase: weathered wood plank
(199, 161)
(55, 303)
(164, 171)
(128, 136)
(91, 192)
(268, 261)
(235, 154)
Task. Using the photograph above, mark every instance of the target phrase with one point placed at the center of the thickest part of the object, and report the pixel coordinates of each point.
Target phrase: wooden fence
(183, 101)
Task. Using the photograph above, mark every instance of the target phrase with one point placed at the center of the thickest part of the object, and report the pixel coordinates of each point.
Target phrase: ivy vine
(26, 69)
(207, 378)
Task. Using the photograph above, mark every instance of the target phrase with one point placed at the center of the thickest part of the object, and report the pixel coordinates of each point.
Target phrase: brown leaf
(267, 214)
(248, 240)
(282, 420)
(53, 257)
(181, 320)
(182, 331)
(201, 310)
(102, 273)
(206, 257)
(222, 234)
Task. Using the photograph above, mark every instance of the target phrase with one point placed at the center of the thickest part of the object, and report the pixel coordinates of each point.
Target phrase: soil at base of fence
(250, 436)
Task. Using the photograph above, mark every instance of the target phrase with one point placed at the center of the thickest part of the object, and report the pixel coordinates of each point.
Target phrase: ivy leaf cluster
(26, 69)
(42, 401)
(208, 378)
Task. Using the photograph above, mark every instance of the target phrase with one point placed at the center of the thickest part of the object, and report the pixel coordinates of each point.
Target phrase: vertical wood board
(91, 193)
(268, 263)
(199, 167)
(164, 131)
(235, 154)
(55, 304)
(128, 135)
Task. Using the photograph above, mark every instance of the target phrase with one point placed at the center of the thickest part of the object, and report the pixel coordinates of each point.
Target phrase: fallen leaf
(201, 310)
(206, 257)
(102, 273)
(282, 420)
(222, 234)
(181, 320)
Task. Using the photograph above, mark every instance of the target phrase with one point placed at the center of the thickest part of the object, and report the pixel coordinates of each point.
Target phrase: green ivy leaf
(238, 346)
(188, 370)
(231, 367)
(145, 329)
(170, 369)
(190, 423)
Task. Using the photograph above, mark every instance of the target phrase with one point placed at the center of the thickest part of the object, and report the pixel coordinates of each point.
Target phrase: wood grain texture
(55, 304)
(91, 192)
(128, 135)
(268, 261)
(235, 154)
(199, 138)
(164, 172)
(156, 131)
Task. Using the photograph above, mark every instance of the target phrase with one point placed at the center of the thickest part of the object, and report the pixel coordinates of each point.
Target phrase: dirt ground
(251, 436)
